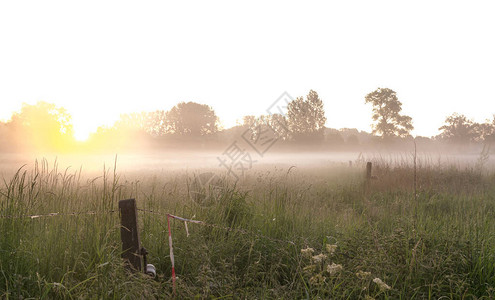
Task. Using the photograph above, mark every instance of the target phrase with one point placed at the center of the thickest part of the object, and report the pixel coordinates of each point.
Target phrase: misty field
(282, 231)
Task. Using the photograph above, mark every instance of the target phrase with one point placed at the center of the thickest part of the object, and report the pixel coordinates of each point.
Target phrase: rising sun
(81, 132)
(81, 136)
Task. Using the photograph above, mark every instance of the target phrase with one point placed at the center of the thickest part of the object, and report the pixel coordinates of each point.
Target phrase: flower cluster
(333, 269)
(331, 248)
(363, 275)
(382, 285)
(308, 252)
(319, 258)
(318, 279)
(319, 270)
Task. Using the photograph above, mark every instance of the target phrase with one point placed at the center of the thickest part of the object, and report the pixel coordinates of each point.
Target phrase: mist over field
(198, 161)
(295, 223)
(189, 137)
(261, 150)
(287, 207)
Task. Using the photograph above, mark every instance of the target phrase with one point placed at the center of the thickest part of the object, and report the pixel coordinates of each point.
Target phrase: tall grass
(436, 243)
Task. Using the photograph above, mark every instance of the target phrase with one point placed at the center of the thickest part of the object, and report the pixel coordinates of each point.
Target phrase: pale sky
(99, 59)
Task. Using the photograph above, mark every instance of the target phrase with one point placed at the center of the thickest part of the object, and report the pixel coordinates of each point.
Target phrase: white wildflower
(318, 279)
(363, 275)
(331, 248)
(307, 252)
(319, 258)
(309, 269)
(334, 269)
(382, 285)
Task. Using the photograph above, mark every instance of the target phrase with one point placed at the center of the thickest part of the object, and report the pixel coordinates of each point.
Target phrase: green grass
(439, 242)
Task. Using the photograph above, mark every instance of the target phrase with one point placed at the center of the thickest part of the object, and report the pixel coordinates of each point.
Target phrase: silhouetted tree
(352, 140)
(279, 125)
(192, 119)
(485, 132)
(333, 137)
(5, 137)
(266, 127)
(132, 122)
(386, 114)
(156, 124)
(306, 118)
(152, 123)
(458, 129)
(248, 121)
(42, 126)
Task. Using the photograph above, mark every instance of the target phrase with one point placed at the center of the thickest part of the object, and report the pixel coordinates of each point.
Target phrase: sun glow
(81, 136)
(82, 131)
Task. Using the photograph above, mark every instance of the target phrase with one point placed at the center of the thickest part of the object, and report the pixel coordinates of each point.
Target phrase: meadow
(282, 232)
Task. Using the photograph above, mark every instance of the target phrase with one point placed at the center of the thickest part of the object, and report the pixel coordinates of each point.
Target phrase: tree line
(45, 127)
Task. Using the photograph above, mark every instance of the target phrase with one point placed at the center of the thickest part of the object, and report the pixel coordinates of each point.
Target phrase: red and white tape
(172, 260)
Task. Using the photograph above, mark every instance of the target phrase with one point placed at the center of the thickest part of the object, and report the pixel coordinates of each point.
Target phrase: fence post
(368, 171)
(129, 234)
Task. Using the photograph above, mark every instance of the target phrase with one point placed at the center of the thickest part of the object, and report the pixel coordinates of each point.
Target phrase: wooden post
(368, 171)
(129, 234)
(367, 182)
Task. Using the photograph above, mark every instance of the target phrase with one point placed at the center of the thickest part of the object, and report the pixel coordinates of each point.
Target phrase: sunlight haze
(102, 59)
(258, 149)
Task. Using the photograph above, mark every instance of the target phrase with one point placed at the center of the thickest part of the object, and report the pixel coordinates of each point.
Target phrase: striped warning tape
(170, 216)
(172, 259)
